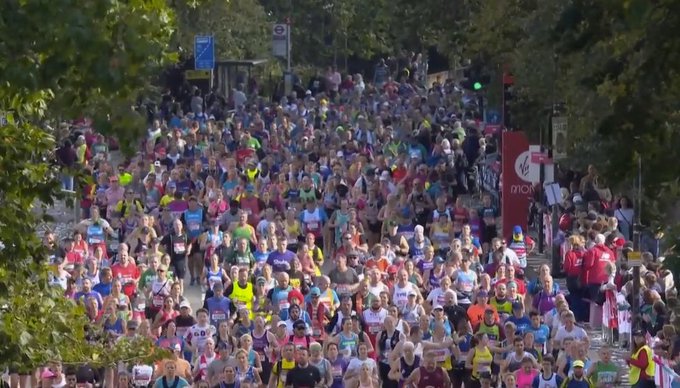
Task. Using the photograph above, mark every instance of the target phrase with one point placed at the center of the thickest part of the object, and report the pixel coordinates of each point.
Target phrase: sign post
(559, 138)
(281, 46)
(204, 54)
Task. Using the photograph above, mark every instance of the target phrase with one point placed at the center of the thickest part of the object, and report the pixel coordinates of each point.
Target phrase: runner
(347, 225)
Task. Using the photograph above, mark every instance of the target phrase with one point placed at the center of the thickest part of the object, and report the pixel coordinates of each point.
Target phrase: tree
(240, 27)
(62, 59)
(612, 63)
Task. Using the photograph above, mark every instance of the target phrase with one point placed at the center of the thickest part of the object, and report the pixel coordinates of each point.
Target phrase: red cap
(392, 269)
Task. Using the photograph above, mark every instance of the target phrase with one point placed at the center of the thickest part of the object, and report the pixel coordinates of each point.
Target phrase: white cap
(184, 303)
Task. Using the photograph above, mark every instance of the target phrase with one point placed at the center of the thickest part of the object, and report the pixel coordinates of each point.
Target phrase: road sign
(197, 74)
(540, 158)
(204, 53)
(634, 259)
(559, 137)
(553, 193)
(280, 43)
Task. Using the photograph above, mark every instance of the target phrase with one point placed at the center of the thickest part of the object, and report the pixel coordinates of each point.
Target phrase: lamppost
(637, 233)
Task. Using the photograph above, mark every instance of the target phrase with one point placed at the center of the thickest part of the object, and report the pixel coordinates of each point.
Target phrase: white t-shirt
(355, 365)
(576, 333)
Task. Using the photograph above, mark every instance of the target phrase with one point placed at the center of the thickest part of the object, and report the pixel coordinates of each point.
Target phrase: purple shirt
(279, 261)
(84, 296)
(544, 302)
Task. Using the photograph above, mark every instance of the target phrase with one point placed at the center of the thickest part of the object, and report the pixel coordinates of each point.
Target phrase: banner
(516, 186)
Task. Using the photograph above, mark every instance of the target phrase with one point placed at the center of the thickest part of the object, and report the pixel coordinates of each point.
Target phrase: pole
(555, 251)
(539, 204)
(635, 305)
(288, 48)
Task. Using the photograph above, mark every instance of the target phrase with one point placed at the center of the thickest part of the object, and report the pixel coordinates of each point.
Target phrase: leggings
(646, 383)
(384, 370)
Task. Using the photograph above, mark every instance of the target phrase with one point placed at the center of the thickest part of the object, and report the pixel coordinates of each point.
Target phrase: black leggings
(384, 370)
(647, 383)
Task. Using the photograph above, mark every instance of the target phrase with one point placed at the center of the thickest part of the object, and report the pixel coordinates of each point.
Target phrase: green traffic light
(477, 85)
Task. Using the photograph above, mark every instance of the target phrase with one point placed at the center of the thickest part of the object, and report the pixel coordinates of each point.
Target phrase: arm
(413, 378)
(395, 371)
(328, 378)
(468, 360)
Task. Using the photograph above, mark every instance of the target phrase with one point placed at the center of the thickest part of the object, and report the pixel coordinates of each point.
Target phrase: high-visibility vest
(634, 375)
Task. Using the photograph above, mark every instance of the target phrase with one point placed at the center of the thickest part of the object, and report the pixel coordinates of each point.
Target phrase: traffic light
(476, 78)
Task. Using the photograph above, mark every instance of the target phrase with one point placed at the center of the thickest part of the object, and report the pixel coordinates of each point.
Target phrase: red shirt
(127, 275)
(73, 258)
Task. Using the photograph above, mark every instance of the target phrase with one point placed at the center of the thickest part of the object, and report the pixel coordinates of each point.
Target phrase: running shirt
(400, 294)
(199, 335)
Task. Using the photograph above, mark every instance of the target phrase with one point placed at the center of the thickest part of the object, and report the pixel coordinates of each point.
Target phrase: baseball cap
(517, 230)
(412, 293)
(438, 307)
(517, 306)
(482, 293)
(439, 260)
(578, 364)
(315, 291)
(392, 269)
(185, 303)
(281, 323)
(132, 325)
(261, 279)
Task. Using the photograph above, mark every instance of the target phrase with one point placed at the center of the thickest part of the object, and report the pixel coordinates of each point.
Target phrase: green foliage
(613, 63)
(240, 27)
(62, 59)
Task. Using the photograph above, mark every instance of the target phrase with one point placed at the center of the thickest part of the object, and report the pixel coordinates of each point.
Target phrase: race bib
(179, 248)
(313, 225)
(158, 300)
(219, 316)
(374, 329)
(283, 304)
(194, 227)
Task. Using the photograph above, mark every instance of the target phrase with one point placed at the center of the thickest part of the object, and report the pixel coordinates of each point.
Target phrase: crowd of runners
(335, 241)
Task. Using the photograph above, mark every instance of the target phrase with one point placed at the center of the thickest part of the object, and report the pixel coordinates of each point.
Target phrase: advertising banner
(517, 185)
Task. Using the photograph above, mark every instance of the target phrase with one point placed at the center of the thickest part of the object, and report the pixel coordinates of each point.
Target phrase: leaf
(25, 339)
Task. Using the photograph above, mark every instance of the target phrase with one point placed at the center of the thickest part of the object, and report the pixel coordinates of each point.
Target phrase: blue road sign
(204, 53)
